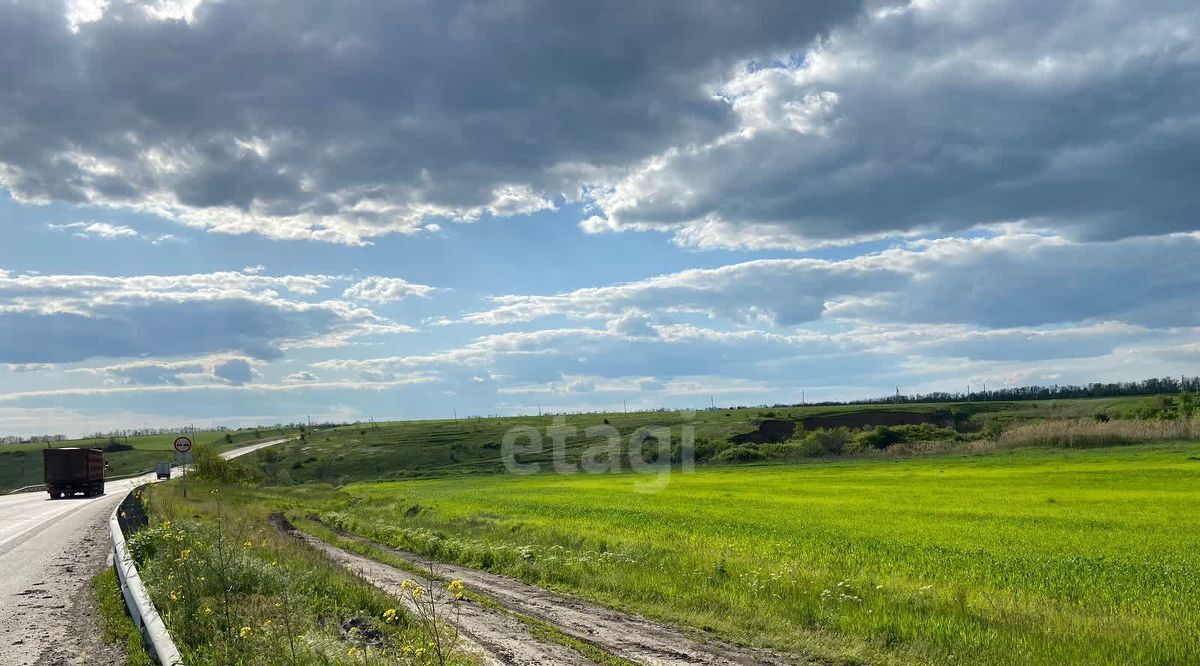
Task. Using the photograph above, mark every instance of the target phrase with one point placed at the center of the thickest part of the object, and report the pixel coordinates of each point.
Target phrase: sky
(238, 212)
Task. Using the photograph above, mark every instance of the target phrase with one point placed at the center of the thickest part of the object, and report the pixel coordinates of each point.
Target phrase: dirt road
(497, 637)
(619, 634)
(49, 551)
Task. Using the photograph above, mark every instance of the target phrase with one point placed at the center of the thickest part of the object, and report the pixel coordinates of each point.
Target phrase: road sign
(183, 444)
(183, 457)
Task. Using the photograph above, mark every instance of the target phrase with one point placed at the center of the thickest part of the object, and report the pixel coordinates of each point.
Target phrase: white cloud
(69, 318)
(386, 290)
(303, 376)
(1002, 281)
(97, 230)
(251, 389)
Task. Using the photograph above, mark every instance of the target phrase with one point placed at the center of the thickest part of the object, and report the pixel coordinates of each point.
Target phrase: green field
(407, 449)
(1020, 556)
(21, 464)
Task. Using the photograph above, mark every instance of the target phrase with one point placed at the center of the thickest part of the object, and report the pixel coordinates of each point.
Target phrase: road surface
(49, 551)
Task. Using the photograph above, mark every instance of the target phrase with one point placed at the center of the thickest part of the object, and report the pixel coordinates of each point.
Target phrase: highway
(49, 550)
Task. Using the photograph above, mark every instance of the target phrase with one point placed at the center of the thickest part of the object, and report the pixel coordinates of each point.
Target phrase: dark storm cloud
(1076, 116)
(337, 121)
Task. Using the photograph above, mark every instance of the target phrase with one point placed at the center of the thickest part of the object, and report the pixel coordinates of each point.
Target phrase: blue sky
(238, 212)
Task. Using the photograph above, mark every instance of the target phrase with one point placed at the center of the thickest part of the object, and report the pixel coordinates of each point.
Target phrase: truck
(69, 471)
(163, 470)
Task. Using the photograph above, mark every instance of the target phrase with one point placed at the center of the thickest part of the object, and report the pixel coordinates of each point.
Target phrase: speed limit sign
(183, 444)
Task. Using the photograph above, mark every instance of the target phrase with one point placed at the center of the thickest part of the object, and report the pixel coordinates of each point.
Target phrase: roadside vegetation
(1027, 555)
(115, 625)
(21, 464)
(233, 589)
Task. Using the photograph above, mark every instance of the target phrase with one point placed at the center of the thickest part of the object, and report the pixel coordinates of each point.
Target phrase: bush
(993, 429)
(822, 442)
(740, 454)
(877, 438)
(207, 465)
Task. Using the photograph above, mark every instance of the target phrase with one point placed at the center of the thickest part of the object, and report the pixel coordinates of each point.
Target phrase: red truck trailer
(71, 470)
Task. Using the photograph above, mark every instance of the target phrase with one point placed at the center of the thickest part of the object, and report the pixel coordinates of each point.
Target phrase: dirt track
(495, 636)
(629, 637)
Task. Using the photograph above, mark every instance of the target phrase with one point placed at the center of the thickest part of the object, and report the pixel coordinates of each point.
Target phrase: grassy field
(1019, 556)
(21, 464)
(408, 449)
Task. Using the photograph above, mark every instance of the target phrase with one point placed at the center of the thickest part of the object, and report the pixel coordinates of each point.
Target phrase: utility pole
(803, 400)
(897, 395)
(456, 416)
(625, 405)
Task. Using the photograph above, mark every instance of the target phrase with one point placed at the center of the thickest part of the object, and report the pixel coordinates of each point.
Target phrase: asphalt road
(49, 550)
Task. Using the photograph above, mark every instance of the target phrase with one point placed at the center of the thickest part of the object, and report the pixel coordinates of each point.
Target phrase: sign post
(183, 456)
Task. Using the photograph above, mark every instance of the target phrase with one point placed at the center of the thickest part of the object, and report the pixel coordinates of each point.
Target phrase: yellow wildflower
(248, 545)
(245, 632)
(351, 652)
(185, 554)
(456, 588)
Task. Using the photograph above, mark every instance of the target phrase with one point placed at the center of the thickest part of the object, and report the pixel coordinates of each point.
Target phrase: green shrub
(823, 442)
(993, 429)
(208, 465)
(703, 449)
(740, 454)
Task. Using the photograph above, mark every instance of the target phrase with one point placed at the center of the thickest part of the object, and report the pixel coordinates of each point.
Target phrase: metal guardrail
(27, 489)
(137, 599)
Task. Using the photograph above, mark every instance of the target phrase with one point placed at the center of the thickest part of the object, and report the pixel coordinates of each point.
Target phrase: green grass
(410, 449)
(21, 464)
(115, 625)
(234, 590)
(1019, 556)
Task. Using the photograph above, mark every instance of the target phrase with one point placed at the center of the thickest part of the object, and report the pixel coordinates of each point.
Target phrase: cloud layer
(72, 318)
(378, 118)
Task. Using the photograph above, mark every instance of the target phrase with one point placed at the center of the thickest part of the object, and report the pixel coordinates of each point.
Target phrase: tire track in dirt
(497, 637)
(620, 634)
